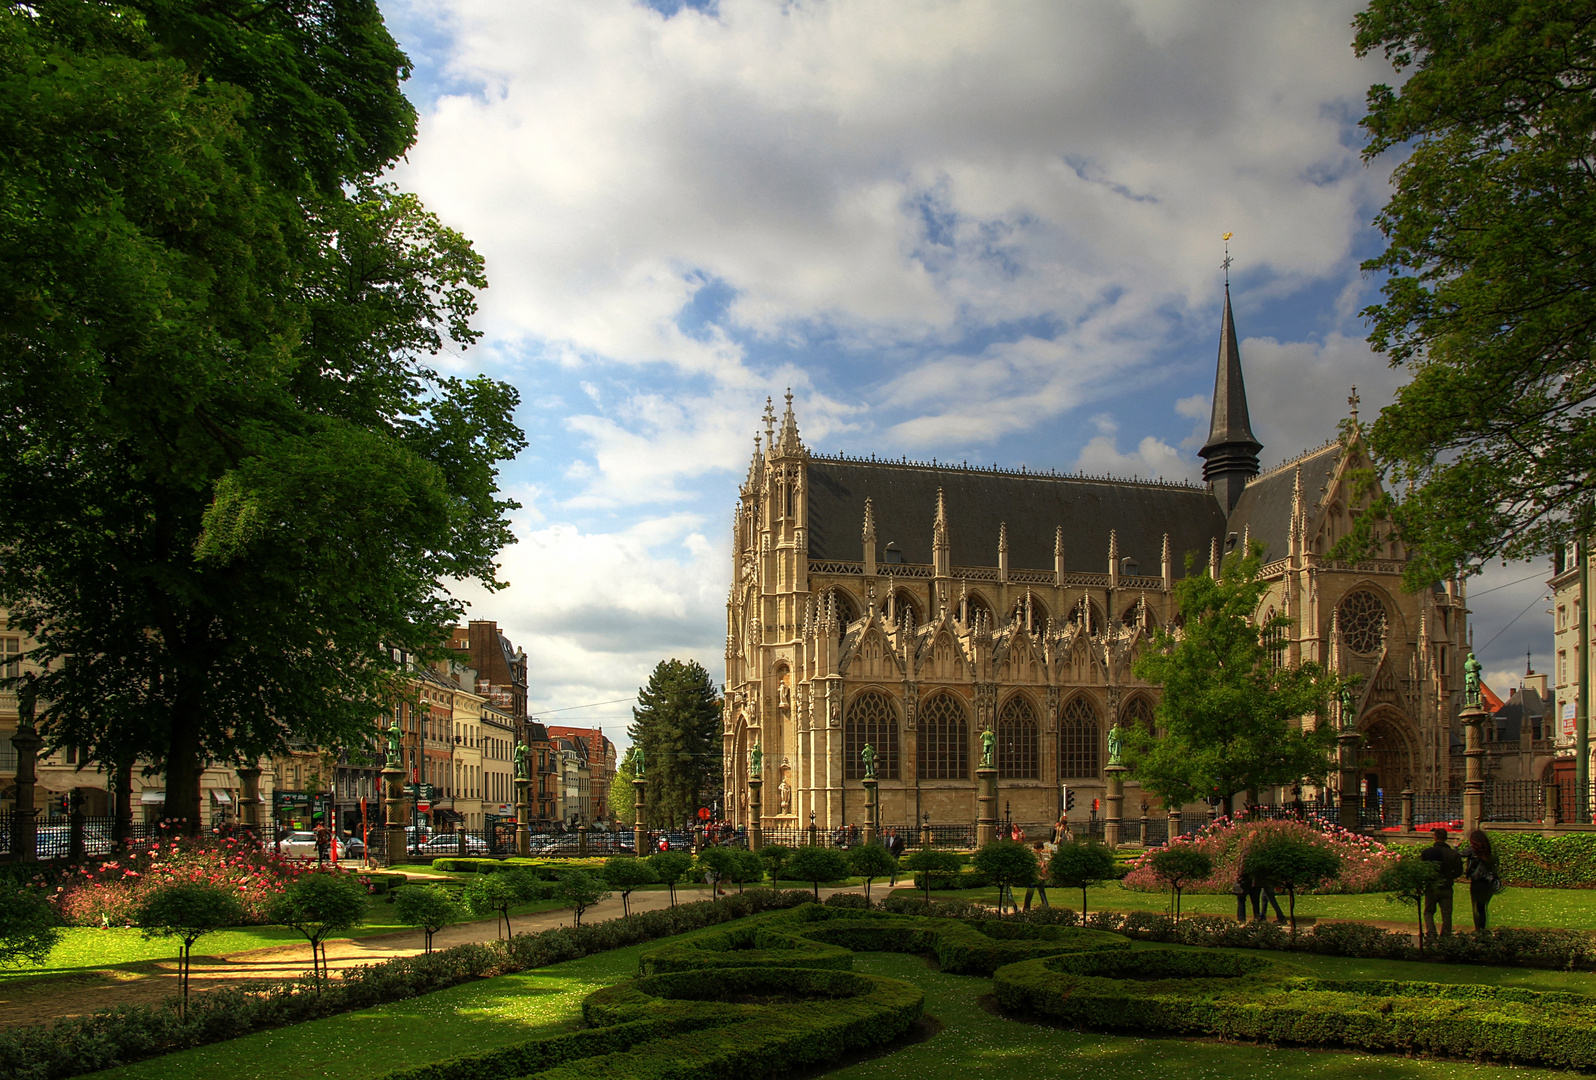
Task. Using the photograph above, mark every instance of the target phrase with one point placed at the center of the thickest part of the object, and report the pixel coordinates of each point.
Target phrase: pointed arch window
(1363, 621)
(1274, 639)
(1078, 741)
(1017, 734)
(872, 719)
(944, 739)
(1137, 714)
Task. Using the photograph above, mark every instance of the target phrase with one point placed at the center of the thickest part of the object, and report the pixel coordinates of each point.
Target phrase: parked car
(55, 841)
(445, 844)
(351, 847)
(298, 845)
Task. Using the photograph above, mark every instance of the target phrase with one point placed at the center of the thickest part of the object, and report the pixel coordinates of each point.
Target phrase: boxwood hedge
(1243, 997)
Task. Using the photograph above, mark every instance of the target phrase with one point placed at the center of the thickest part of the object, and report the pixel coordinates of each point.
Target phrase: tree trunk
(122, 812)
(183, 769)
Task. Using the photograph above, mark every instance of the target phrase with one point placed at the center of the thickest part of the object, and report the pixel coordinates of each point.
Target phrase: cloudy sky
(955, 228)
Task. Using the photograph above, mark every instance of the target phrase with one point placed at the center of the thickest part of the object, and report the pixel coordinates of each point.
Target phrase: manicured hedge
(1239, 997)
(744, 946)
(114, 1037)
(1530, 860)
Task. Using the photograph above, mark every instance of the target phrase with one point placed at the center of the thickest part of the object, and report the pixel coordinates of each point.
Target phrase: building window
(871, 719)
(1562, 616)
(1078, 734)
(1562, 667)
(1362, 620)
(10, 651)
(1016, 740)
(944, 738)
(1137, 715)
(1274, 639)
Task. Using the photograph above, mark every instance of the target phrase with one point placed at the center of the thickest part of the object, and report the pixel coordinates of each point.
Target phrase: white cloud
(1151, 459)
(1297, 391)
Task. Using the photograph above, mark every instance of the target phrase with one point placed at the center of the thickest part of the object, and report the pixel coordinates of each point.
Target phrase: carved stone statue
(756, 761)
(868, 754)
(637, 763)
(1471, 681)
(988, 749)
(1116, 744)
(523, 755)
(783, 696)
(784, 797)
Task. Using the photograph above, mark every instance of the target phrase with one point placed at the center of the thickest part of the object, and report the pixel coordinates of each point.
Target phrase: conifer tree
(676, 722)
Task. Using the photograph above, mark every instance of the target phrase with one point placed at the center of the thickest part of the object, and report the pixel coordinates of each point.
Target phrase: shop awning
(146, 797)
(220, 797)
(443, 814)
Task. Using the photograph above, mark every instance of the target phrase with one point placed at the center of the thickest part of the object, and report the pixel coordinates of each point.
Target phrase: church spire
(788, 441)
(1230, 457)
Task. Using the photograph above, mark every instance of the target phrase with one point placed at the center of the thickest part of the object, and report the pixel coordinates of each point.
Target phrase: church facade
(913, 605)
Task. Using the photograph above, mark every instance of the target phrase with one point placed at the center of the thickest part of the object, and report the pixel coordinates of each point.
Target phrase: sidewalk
(31, 1001)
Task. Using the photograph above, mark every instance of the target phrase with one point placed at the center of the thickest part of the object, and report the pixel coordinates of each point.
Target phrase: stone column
(1472, 717)
(24, 828)
(1115, 777)
(1407, 810)
(1551, 805)
(1347, 765)
(581, 841)
(813, 832)
(393, 782)
(925, 831)
(986, 805)
(639, 834)
(523, 816)
(249, 800)
(1174, 824)
(872, 810)
(756, 829)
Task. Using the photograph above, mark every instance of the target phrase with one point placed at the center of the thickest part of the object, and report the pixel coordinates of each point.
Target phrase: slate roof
(904, 498)
(1264, 509)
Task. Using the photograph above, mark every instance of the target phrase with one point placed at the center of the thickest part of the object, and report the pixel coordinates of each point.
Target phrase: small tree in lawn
(871, 861)
(817, 864)
(670, 867)
(499, 893)
(775, 857)
(188, 911)
(1178, 866)
(1293, 864)
(1407, 881)
(1008, 864)
(426, 907)
(581, 890)
(29, 926)
(1080, 865)
(746, 866)
(717, 864)
(625, 873)
(319, 905)
(928, 863)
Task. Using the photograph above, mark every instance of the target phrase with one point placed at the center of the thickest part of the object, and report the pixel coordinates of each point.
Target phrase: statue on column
(522, 759)
(637, 763)
(988, 748)
(1116, 744)
(1471, 682)
(868, 754)
(1348, 706)
(756, 761)
(393, 744)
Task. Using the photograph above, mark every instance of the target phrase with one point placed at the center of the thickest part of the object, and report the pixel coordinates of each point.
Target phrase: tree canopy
(234, 486)
(1487, 300)
(1230, 716)
(676, 722)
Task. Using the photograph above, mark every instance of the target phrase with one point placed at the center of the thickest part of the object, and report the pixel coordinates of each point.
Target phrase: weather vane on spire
(1353, 400)
(1226, 264)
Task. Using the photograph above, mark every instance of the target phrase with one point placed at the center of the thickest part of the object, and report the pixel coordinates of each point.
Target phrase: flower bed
(1224, 841)
(107, 893)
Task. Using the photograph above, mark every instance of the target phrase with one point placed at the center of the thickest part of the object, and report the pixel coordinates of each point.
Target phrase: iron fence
(1514, 800)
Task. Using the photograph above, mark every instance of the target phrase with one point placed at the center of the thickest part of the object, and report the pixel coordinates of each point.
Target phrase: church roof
(1229, 424)
(1264, 509)
(904, 499)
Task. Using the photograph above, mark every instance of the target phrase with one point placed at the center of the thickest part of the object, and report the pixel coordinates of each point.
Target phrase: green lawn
(1569, 909)
(88, 948)
(972, 1040)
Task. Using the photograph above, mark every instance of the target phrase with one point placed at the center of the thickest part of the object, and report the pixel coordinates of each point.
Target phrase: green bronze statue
(393, 744)
(637, 763)
(523, 757)
(988, 749)
(1471, 682)
(869, 756)
(1116, 744)
(756, 761)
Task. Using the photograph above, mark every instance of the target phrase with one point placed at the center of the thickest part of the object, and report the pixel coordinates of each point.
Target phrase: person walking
(1449, 864)
(1040, 884)
(895, 849)
(1246, 887)
(1484, 877)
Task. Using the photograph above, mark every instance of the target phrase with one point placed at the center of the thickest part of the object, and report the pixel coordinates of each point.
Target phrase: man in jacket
(1450, 865)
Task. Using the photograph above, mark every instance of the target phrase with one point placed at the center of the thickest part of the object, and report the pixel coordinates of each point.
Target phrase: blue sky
(961, 229)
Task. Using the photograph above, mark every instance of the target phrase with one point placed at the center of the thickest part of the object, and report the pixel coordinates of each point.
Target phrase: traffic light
(1069, 798)
(1094, 806)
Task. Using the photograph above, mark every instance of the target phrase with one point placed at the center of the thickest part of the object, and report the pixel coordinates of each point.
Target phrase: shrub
(29, 925)
(1290, 861)
(717, 864)
(871, 861)
(1179, 864)
(1225, 842)
(1008, 864)
(929, 864)
(187, 912)
(499, 892)
(427, 907)
(581, 890)
(670, 867)
(624, 873)
(1529, 860)
(775, 857)
(747, 867)
(318, 906)
(1407, 880)
(1080, 865)
(817, 864)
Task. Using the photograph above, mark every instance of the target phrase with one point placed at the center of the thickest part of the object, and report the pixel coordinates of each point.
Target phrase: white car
(299, 845)
(446, 844)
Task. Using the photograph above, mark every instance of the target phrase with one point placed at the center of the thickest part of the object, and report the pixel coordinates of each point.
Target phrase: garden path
(32, 1001)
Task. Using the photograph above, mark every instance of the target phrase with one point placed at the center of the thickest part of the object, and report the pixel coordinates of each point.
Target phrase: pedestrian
(1439, 895)
(1245, 887)
(1040, 884)
(1483, 874)
(895, 849)
(1266, 900)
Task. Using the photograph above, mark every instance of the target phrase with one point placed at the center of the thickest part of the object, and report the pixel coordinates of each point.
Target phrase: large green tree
(1230, 717)
(622, 795)
(1490, 262)
(676, 723)
(233, 486)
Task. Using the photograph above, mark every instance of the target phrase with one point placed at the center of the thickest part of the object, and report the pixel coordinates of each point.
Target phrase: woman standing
(1480, 869)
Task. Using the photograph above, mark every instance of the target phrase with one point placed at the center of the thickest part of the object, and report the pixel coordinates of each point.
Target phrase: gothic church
(911, 606)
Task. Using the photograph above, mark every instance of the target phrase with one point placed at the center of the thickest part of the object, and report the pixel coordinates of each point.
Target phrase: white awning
(146, 797)
(222, 797)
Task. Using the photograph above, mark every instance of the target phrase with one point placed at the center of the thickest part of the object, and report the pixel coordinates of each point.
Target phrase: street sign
(423, 806)
(703, 813)
(421, 792)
